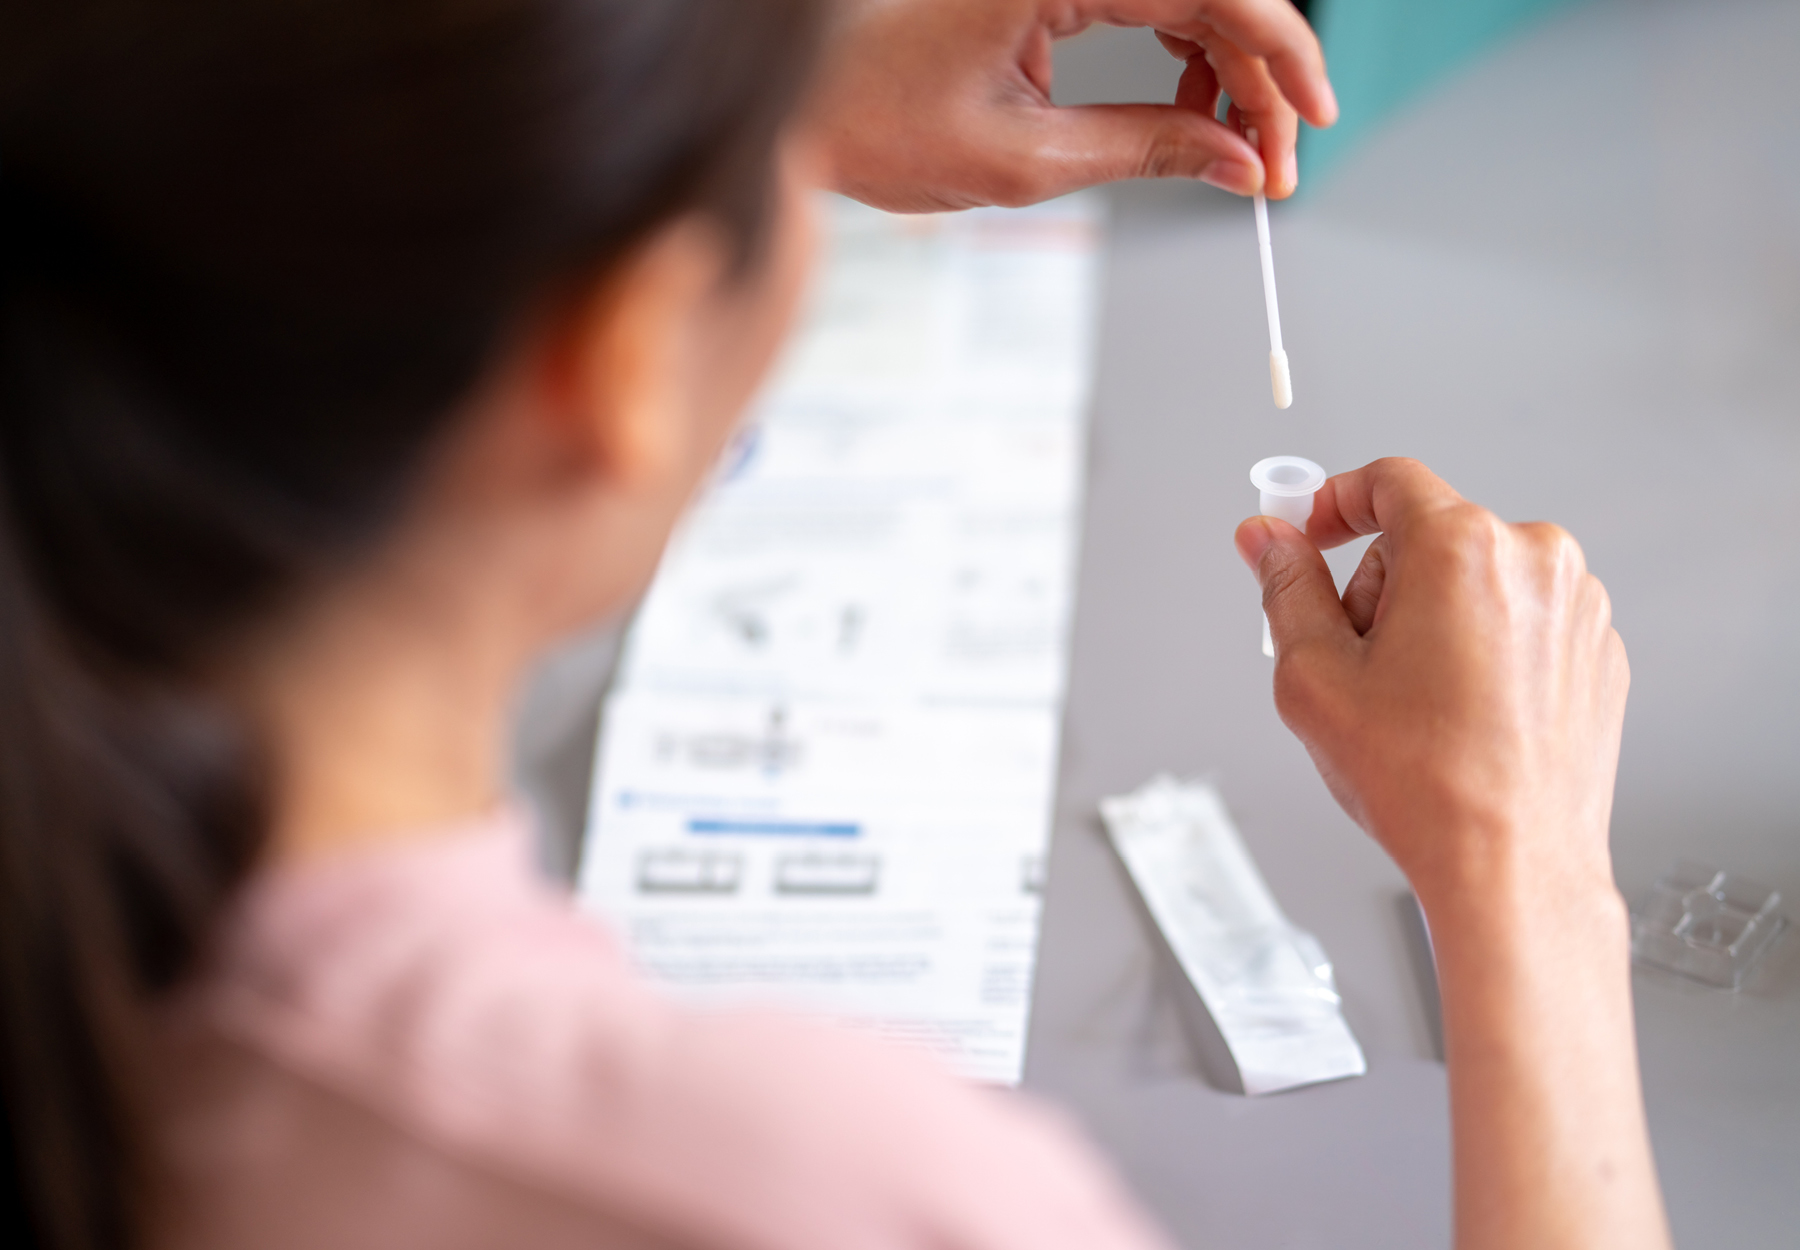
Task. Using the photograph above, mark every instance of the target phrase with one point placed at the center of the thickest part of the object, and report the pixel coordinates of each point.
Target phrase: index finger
(1375, 499)
(1270, 29)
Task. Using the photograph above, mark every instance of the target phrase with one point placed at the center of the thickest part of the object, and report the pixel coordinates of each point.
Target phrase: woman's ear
(620, 370)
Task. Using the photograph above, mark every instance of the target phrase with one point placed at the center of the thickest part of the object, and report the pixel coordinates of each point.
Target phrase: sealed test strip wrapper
(1267, 985)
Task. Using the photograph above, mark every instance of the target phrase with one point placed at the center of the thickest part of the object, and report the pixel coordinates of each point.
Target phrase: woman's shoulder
(446, 990)
(445, 950)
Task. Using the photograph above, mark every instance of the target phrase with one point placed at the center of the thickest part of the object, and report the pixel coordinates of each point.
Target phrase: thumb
(1299, 596)
(1098, 143)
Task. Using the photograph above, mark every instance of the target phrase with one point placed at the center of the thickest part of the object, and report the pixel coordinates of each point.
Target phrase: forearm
(1551, 1147)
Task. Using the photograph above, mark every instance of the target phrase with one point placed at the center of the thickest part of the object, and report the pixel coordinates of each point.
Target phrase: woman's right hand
(928, 105)
(1463, 700)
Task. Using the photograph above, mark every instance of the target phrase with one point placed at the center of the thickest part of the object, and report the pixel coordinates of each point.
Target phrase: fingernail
(1253, 538)
(1331, 104)
(1232, 175)
(1290, 170)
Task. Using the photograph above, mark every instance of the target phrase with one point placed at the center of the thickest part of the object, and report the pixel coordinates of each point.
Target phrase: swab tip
(1280, 379)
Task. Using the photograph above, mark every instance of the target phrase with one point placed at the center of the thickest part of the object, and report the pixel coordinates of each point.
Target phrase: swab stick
(1279, 378)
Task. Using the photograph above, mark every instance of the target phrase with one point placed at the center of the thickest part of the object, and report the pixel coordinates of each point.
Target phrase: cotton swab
(1279, 378)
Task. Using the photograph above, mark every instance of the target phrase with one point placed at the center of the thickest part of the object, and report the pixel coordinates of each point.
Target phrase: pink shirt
(425, 1046)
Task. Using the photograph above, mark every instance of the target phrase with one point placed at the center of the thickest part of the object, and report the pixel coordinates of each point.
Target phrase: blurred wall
(1382, 53)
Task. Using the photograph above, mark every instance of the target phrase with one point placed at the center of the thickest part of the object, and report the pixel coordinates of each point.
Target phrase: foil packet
(1267, 986)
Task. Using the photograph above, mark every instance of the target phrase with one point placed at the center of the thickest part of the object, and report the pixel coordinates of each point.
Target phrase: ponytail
(126, 818)
(129, 810)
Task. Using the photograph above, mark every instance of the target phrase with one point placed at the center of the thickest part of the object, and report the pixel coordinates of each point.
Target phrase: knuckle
(1603, 611)
(1256, 95)
(1466, 535)
(1402, 467)
(1475, 523)
(1163, 157)
(1555, 546)
(1415, 478)
(1558, 568)
(1299, 688)
(1408, 482)
(1281, 579)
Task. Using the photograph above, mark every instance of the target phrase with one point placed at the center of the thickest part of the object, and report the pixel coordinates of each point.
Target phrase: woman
(350, 355)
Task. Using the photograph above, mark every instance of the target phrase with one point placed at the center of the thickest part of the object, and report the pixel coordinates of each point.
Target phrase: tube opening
(1287, 475)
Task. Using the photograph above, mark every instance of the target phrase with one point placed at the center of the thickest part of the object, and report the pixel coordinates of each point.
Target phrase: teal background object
(1383, 53)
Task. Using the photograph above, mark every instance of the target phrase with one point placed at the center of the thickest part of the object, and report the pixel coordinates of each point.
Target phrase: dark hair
(252, 252)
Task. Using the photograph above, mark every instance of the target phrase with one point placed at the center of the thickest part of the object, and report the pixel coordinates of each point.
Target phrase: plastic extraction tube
(1287, 485)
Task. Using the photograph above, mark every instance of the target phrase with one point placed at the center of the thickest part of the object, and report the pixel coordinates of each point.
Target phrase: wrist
(1512, 935)
(1526, 893)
